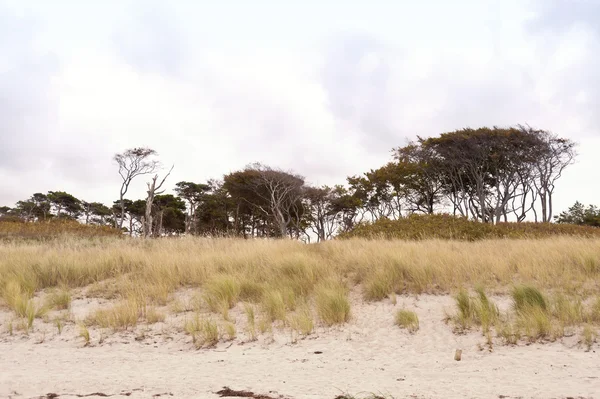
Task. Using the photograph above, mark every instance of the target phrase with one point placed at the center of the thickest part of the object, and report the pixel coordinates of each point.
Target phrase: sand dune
(367, 355)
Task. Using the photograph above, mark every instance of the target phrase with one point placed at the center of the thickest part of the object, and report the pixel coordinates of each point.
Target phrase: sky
(324, 88)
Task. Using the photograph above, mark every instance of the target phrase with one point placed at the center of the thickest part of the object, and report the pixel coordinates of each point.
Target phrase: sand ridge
(367, 355)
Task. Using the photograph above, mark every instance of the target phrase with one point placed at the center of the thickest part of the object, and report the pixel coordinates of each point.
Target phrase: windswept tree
(37, 207)
(64, 204)
(272, 193)
(95, 213)
(132, 163)
(487, 169)
(193, 193)
(553, 156)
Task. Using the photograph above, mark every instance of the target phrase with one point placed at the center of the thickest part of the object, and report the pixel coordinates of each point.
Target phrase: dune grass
(333, 305)
(59, 299)
(407, 319)
(204, 332)
(477, 310)
(300, 286)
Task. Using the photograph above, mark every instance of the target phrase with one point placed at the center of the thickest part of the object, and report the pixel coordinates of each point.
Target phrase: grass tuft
(408, 320)
(59, 299)
(525, 297)
(273, 305)
(333, 306)
(222, 291)
(588, 336)
(302, 321)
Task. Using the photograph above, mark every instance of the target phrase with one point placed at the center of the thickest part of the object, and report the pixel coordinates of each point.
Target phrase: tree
(273, 193)
(417, 177)
(323, 218)
(65, 204)
(152, 191)
(580, 215)
(169, 215)
(488, 169)
(554, 155)
(95, 212)
(212, 214)
(37, 207)
(193, 194)
(132, 163)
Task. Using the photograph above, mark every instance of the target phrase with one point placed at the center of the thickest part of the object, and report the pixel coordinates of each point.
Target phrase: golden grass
(279, 277)
(204, 332)
(121, 316)
(59, 299)
(333, 306)
(476, 310)
(230, 270)
(302, 321)
(407, 319)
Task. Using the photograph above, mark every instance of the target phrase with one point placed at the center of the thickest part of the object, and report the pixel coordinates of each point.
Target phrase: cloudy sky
(325, 88)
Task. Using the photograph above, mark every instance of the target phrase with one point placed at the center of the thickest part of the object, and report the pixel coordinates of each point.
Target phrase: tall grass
(407, 319)
(230, 270)
(333, 306)
(280, 277)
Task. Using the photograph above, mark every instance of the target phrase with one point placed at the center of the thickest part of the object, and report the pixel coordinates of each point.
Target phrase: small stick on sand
(458, 355)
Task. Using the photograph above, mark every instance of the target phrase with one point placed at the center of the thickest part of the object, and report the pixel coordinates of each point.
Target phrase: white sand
(368, 355)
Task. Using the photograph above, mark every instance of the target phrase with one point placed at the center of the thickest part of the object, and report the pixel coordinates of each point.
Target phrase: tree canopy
(489, 175)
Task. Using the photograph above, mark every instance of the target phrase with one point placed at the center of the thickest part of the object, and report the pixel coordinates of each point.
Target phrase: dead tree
(153, 190)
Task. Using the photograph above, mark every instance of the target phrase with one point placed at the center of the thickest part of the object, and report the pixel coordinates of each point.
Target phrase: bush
(448, 227)
(19, 230)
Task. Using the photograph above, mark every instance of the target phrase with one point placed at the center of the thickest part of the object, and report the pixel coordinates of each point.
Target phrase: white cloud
(323, 91)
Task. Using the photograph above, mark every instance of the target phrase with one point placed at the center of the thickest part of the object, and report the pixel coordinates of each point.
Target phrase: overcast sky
(325, 88)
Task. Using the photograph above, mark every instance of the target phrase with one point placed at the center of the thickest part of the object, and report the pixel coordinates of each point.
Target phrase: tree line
(490, 175)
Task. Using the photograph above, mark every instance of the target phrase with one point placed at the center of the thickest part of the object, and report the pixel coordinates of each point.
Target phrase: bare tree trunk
(148, 214)
(152, 191)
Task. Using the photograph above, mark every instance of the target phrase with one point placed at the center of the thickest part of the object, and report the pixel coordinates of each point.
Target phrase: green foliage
(580, 215)
(526, 297)
(448, 227)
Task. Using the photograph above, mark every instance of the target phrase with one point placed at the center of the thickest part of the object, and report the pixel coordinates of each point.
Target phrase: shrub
(52, 229)
(448, 227)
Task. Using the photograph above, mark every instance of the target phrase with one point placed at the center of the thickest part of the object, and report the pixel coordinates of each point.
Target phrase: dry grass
(230, 270)
(477, 310)
(302, 321)
(279, 279)
(59, 299)
(588, 336)
(408, 320)
(333, 306)
(122, 316)
(204, 332)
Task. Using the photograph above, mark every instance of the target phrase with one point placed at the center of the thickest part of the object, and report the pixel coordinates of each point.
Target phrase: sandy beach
(368, 355)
